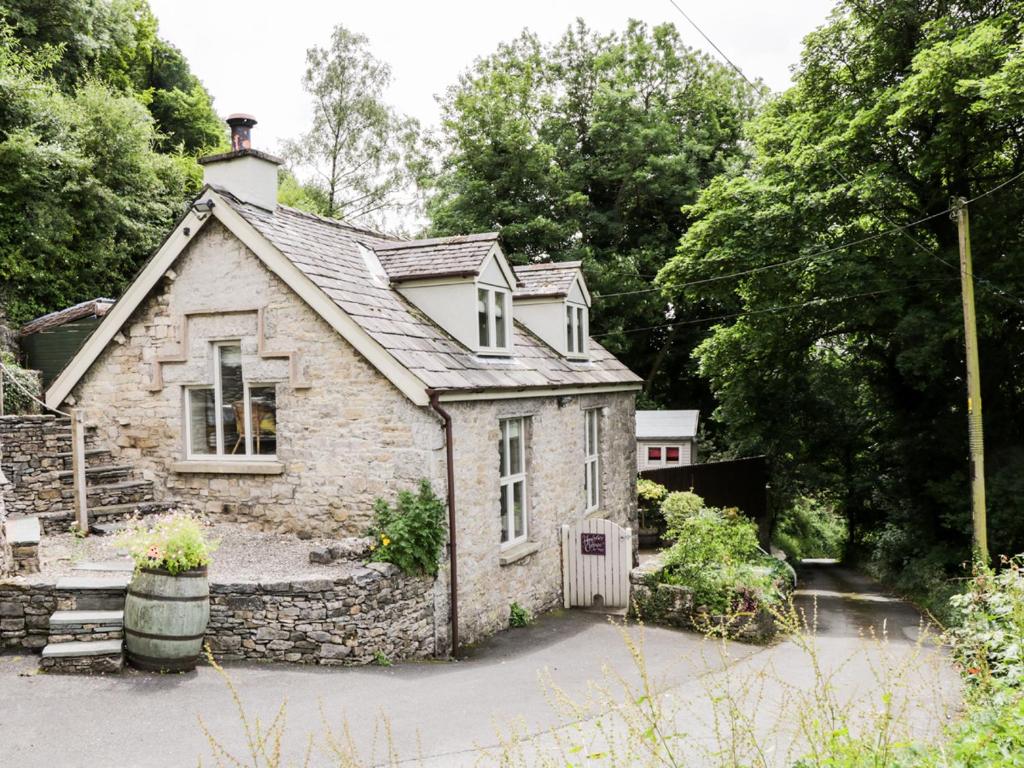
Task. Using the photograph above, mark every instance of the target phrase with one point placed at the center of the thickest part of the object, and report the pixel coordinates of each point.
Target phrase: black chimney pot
(241, 128)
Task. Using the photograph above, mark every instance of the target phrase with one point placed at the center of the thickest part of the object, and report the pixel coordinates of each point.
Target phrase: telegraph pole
(974, 428)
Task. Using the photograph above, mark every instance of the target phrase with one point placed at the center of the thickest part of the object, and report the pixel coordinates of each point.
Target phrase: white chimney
(247, 173)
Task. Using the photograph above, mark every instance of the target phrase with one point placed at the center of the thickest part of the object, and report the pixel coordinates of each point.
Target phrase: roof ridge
(447, 240)
(340, 223)
(575, 264)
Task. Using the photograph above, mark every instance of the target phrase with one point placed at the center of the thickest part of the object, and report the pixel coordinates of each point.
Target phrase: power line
(785, 263)
(767, 310)
(985, 283)
(712, 44)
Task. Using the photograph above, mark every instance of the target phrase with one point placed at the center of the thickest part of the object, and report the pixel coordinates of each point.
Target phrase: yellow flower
(385, 540)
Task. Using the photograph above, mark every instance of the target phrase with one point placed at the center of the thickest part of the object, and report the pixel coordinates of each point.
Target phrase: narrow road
(438, 714)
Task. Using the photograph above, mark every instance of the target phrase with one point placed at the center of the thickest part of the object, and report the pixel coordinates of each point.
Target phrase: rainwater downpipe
(435, 404)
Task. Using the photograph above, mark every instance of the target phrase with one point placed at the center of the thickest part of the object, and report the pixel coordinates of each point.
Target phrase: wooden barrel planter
(165, 618)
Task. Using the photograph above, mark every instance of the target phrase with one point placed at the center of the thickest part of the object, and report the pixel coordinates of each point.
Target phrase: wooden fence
(741, 483)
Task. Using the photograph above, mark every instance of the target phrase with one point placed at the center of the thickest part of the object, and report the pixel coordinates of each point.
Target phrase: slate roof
(435, 257)
(327, 251)
(536, 280)
(666, 424)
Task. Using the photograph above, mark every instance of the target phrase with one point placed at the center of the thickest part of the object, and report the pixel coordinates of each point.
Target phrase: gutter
(435, 404)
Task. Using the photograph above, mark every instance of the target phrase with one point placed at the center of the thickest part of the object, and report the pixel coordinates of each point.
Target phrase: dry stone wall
(25, 608)
(31, 449)
(347, 620)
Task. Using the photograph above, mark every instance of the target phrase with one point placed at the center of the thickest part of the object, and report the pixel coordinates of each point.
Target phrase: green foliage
(115, 42)
(587, 149)
(716, 555)
(18, 384)
(363, 155)
(174, 542)
(649, 496)
(84, 197)
(381, 659)
(676, 508)
(897, 107)
(518, 616)
(989, 641)
(411, 533)
(808, 528)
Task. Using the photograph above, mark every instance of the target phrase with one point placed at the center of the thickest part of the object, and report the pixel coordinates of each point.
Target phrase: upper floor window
(493, 321)
(512, 462)
(575, 329)
(232, 418)
(592, 457)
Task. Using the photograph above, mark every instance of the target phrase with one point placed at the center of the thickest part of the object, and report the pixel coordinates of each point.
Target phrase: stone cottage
(281, 369)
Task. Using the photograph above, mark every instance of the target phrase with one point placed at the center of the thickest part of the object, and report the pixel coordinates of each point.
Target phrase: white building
(666, 439)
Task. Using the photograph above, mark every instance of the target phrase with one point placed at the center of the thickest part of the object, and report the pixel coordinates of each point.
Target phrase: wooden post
(78, 471)
(975, 439)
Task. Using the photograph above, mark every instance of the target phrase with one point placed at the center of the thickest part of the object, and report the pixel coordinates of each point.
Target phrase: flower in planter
(174, 542)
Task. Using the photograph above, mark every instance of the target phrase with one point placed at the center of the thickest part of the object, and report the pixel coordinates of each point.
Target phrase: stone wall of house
(368, 613)
(347, 439)
(490, 578)
(25, 608)
(30, 458)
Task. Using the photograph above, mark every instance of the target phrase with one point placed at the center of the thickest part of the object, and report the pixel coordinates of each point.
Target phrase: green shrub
(649, 496)
(410, 534)
(716, 555)
(677, 508)
(518, 616)
(810, 529)
(989, 641)
(174, 542)
(18, 383)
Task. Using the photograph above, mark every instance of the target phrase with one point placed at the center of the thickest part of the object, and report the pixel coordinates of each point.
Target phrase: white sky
(250, 54)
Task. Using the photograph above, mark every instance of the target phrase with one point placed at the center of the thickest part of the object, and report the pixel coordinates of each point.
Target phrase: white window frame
(509, 481)
(576, 330)
(218, 405)
(592, 459)
(492, 326)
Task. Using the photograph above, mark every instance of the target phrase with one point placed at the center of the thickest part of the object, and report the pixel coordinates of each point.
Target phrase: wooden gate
(596, 559)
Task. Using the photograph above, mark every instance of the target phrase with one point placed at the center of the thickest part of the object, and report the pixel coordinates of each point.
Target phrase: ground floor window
(232, 418)
(592, 460)
(512, 462)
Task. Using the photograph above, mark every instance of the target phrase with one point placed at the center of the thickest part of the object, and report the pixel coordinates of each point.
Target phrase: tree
(588, 149)
(364, 156)
(116, 42)
(846, 367)
(84, 197)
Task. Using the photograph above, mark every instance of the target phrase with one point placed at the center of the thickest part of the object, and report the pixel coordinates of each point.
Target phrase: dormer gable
(463, 283)
(552, 300)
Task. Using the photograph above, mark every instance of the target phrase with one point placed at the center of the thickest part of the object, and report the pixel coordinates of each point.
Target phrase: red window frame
(654, 453)
(672, 454)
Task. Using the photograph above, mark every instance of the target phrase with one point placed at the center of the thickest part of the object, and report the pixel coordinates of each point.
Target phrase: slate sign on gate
(592, 543)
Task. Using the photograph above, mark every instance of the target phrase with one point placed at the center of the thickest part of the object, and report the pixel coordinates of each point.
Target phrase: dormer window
(492, 319)
(575, 329)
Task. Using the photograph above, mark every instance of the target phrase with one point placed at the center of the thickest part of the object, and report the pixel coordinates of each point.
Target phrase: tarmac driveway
(439, 713)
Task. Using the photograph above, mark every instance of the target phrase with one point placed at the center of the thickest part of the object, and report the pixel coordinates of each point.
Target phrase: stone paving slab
(122, 566)
(82, 648)
(23, 530)
(86, 617)
(86, 583)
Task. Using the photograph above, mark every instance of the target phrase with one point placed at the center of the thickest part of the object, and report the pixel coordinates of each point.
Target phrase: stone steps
(88, 657)
(108, 494)
(66, 626)
(87, 629)
(101, 474)
(92, 593)
(97, 455)
(103, 519)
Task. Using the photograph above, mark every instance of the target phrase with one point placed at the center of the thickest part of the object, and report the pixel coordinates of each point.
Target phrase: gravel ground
(243, 554)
